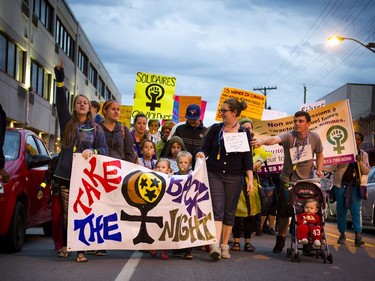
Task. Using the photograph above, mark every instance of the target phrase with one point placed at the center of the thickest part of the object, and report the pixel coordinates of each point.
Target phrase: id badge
(300, 155)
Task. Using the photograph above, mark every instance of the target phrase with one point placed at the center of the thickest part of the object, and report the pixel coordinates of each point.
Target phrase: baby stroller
(301, 192)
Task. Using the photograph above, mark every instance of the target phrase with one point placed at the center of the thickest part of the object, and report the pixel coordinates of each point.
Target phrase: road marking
(351, 240)
(129, 268)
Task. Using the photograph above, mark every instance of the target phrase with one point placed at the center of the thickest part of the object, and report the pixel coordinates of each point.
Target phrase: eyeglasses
(224, 110)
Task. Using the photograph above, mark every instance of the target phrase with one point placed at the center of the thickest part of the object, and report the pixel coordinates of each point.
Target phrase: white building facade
(34, 36)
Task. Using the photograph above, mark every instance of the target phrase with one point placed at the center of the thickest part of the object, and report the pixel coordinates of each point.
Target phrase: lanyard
(299, 152)
(220, 137)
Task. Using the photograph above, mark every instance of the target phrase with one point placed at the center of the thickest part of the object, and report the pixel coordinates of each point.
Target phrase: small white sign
(236, 142)
(300, 156)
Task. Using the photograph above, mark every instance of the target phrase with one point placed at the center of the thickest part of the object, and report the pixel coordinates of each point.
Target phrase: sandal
(249, 248)
(236, 246)
(81, 258)
(63, 253)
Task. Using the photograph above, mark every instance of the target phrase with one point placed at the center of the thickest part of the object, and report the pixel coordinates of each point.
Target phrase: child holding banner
(184, 161)
(163, 166)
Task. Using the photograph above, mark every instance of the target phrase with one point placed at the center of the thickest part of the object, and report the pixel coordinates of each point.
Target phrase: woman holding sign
(228, 151)
(79, 135)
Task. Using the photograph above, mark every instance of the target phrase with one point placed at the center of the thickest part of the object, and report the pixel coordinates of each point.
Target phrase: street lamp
(336, 39)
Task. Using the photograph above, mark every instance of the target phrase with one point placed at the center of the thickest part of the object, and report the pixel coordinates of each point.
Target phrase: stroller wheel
(324, 257)
(297, 257)
(288, 252)
(292, 255)
(330, 258)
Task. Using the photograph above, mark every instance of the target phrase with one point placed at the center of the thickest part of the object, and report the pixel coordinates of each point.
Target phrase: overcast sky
(211, 44)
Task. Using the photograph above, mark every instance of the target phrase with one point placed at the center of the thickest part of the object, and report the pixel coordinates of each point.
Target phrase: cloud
(208, 45)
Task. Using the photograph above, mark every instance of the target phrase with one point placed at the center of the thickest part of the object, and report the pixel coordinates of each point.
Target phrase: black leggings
(247, 223)
(64, 194)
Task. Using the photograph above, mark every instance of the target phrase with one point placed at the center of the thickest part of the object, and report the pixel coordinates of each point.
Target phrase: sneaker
(225, 251)
(188, 256)
(91, 252)
(272, 231)
(280, 244)
(304, 241)
(341, 239)
(317, 243)
(215, 252)
(358, 242)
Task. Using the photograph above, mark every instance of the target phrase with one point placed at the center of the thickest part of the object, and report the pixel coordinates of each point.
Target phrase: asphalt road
(38, 261)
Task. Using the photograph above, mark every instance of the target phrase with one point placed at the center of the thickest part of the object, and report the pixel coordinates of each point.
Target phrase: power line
(264, 90)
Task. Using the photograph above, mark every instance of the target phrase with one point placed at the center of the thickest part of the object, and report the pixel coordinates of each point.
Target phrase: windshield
(11, 145)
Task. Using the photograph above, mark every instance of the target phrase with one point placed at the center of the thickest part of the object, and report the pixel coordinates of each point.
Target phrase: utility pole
(264, 90)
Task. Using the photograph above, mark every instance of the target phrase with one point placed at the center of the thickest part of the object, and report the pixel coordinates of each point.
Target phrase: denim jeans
(342, 211)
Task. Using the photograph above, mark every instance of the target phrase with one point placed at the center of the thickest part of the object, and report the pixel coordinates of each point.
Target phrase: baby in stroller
(307, 227)
(309, 224)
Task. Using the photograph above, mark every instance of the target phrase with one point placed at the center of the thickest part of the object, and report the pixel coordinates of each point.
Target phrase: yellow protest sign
(125, 115)
(154, 95)
(255, 102)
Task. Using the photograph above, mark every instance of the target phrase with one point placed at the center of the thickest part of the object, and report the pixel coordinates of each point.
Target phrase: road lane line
(129, 268)
(351, 240)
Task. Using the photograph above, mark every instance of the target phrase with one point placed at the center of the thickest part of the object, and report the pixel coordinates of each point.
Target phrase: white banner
(115, 204)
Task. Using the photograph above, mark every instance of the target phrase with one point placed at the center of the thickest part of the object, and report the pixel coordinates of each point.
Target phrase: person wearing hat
(192, 132)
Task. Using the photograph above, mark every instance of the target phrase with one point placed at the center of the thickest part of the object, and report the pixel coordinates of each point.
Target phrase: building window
(20, 65)
(108, 94)
(101, 88)
(40, 81)
(64, 40)
(93, 75)
(43, 10)
(12, 59)
(82, 61)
